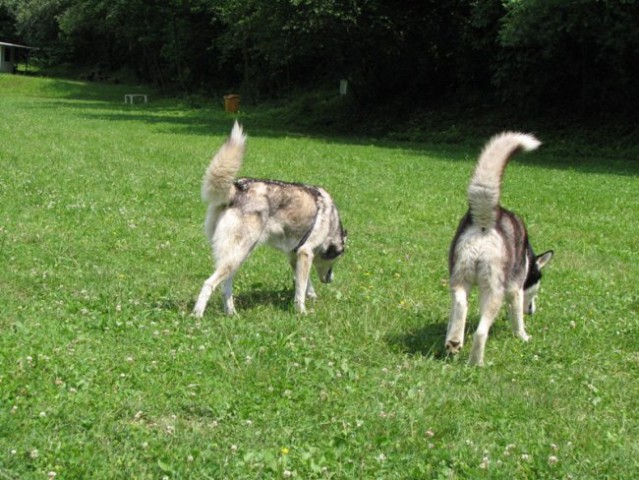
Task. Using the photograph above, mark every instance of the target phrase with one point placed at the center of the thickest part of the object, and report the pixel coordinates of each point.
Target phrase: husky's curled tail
(485, 187)
(217, 186)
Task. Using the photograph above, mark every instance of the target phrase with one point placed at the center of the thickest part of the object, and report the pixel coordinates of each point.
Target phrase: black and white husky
(491, 249)
(300, 220)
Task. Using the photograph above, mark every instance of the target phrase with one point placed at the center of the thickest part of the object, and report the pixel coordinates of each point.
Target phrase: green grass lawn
(104, 374)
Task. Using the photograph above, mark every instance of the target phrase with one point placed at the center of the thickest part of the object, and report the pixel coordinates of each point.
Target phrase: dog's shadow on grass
(281, 299)
(249, 299)
(427, 341)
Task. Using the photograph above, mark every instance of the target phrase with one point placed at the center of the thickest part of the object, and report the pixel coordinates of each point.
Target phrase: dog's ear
(544, 258)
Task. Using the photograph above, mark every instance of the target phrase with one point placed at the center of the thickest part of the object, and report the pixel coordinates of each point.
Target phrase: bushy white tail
(485, 187)
(217, 186)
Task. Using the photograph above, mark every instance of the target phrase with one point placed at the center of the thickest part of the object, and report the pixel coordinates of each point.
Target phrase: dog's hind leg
(232, 247)
(229, 304)
(457, 321)
(490, 303)
(516, 303)
(209, 286)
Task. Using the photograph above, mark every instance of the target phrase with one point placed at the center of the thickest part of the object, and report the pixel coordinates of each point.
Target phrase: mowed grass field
(104, 373)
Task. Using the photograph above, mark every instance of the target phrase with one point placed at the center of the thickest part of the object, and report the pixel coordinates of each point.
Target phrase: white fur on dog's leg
(229, 304)
(517, 315)
(490, 302)
(477, 353)
(479, 343)
(310, 291)
(202, 300)
(457, 323)
(302, 272)
(209, 286)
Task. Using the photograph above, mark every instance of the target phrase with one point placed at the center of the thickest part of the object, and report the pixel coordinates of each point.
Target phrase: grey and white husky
(491, 249)
(300, 220)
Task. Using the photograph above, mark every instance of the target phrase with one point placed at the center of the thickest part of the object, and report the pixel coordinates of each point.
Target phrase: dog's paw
(453, 347)
(475, 362)
(524, 336)
(300, 307)
(197, 313)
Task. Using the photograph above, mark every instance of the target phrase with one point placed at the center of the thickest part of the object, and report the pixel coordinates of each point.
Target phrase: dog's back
(288, 210)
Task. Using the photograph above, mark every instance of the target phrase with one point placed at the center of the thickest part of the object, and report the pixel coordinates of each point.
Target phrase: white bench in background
(130, 97)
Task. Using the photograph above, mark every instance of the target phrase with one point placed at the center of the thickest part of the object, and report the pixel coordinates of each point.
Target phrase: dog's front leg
(303, 265)
(310, 291)
(517, 314)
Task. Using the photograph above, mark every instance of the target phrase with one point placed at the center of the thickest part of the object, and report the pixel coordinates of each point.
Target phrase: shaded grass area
(104, 374)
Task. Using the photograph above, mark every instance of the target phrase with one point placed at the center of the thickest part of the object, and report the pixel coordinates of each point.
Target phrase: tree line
(576, 54)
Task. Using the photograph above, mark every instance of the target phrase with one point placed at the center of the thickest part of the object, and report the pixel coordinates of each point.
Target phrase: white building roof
(14, 45)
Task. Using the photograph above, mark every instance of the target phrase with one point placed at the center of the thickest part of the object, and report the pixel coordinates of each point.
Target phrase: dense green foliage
(576, 55)
(104, 375)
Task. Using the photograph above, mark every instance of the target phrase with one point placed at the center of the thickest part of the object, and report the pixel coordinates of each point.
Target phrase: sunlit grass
(103, 373)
